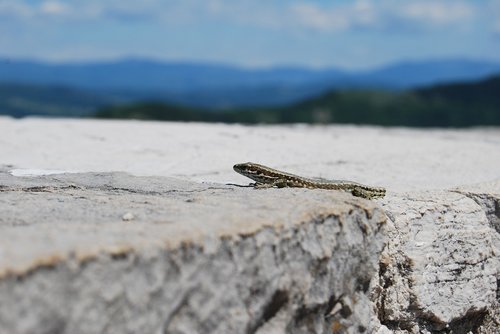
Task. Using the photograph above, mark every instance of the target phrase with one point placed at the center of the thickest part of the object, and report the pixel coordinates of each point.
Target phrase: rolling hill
(19, 100)
(451, 105)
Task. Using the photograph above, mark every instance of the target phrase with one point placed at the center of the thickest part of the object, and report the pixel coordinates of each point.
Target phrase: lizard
(266, 177)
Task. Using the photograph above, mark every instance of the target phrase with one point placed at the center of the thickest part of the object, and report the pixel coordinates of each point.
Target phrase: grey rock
(487, 195)
(196, 258)
(439, 269)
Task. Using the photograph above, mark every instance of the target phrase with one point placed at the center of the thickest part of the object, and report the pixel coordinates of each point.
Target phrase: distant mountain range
(447, 105)
(222, 86)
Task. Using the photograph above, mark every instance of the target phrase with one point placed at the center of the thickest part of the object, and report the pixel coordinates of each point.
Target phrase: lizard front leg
(260, 185)
(280, 183)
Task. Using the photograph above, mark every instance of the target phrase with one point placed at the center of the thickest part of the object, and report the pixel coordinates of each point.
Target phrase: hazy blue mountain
(147, 75)
(223, 86)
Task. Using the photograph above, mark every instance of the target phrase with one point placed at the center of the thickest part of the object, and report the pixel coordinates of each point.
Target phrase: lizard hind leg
(359, 192)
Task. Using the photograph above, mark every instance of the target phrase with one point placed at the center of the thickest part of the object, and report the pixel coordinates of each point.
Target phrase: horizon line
(276, 66)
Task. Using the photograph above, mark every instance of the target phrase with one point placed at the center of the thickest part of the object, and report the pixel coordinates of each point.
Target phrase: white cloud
(295, 15)
(357, 14)
(311, 16)
(437, 12)
(81, 10)
(54, 8)
(386, 14)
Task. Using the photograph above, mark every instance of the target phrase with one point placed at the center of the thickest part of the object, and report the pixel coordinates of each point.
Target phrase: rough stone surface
(439, 269)
(95, 239)
(487, 195)
(195, 258)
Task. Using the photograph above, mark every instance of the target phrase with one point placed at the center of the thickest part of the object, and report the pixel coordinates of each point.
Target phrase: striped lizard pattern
(266, 177)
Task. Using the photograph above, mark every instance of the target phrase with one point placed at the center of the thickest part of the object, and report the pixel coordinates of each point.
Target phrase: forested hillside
(452, 105)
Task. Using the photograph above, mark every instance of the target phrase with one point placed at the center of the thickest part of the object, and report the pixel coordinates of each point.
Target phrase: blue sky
(254, 33)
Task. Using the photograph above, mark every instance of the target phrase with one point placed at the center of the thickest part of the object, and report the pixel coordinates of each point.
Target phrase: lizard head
(246, 168)
(254, 171)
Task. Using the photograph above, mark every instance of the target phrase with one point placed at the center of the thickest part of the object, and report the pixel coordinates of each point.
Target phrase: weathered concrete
(112, 253)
